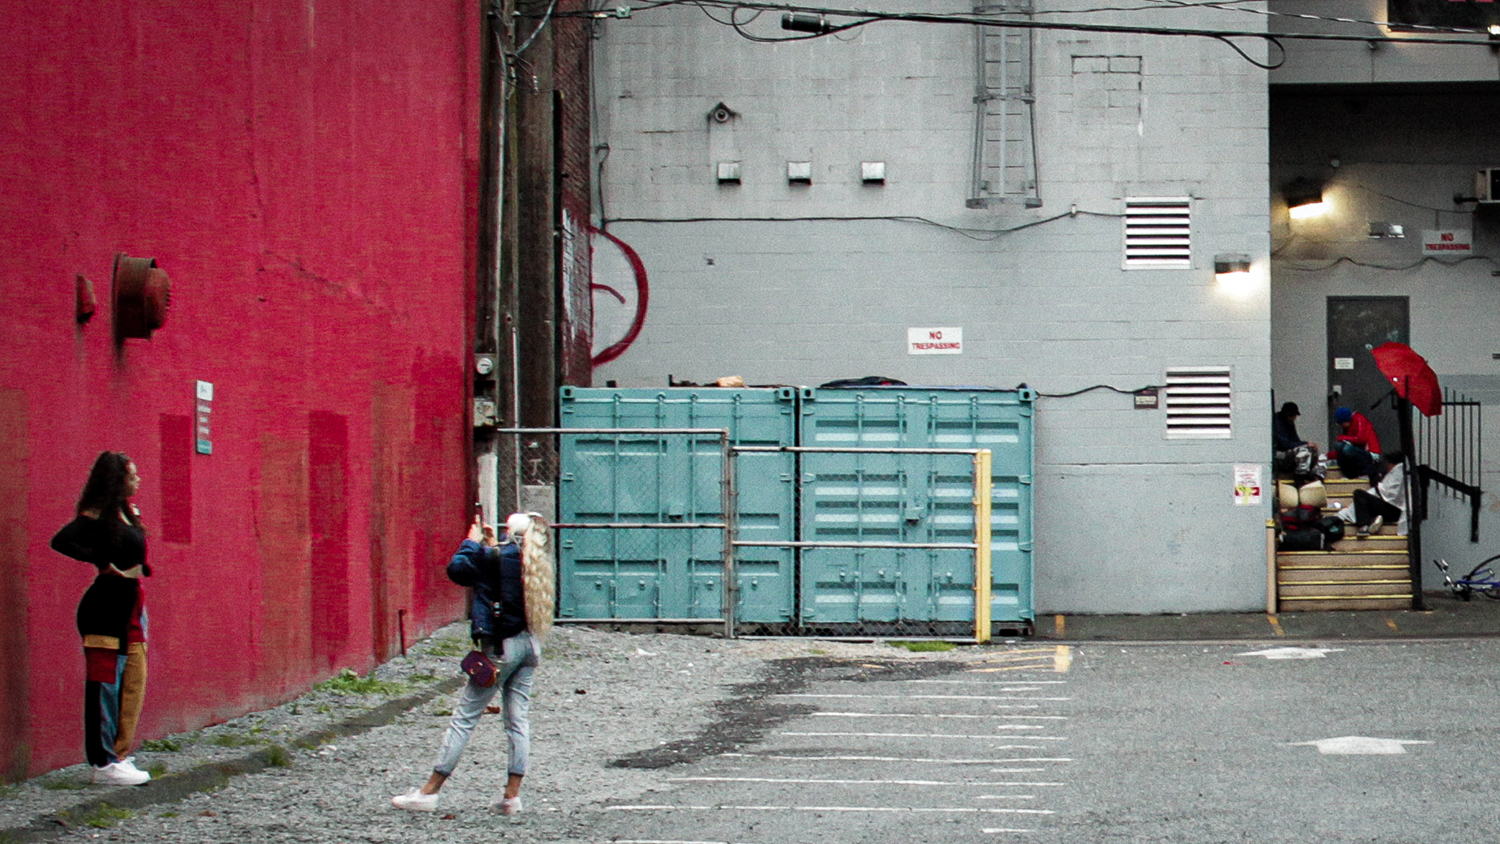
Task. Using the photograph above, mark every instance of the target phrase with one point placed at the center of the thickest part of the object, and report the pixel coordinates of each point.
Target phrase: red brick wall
(571, 39)
(307, 181)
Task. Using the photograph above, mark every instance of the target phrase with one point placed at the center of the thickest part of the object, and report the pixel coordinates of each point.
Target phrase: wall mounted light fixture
(1231, 267)
(1304, 199)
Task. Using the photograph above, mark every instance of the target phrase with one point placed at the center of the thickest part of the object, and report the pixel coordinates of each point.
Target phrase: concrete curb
(215, 775)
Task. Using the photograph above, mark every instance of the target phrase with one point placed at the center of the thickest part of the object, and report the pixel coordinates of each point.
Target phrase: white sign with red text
(934, 341)
(1448, 242)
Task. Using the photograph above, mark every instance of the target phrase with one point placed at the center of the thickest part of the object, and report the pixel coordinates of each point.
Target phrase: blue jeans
(1354, 461)
(514, 666)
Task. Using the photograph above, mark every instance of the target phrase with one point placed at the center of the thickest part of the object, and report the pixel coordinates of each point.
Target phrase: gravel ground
(599, 697)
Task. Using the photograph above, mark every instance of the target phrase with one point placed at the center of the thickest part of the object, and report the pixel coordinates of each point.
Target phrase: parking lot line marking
(667, 841)
(854, 758)
(965, 810)
(1062, 659)
(823, 781)
(926, 716)
(988, 831)
(1030, 666)
(1275, 625)
(1028, 717)
(921, 697)
(1013, 687)
(1060, 624)
(914, 735)
(1017, 651)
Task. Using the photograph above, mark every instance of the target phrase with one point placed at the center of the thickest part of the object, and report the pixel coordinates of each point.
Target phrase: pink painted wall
(305, 173)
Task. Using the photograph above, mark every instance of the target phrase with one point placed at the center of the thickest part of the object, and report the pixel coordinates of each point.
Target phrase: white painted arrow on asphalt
(1358, 745)
(1293, 653)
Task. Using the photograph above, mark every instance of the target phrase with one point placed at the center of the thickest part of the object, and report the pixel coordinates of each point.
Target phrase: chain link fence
(666, 526)
(638, 518)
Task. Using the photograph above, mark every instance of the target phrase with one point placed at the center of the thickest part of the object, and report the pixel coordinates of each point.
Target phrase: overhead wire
(980, 234)
(866, 17)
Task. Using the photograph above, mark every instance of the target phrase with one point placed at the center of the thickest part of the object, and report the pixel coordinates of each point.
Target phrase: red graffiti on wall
(642, 298)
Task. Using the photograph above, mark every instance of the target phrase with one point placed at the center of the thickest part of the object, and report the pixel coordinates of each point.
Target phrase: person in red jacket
(1357, 448)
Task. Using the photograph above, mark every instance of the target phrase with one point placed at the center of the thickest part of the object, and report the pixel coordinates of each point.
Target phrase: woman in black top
(108, 534)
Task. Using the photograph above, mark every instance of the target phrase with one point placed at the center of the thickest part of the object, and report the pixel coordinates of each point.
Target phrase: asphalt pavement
(1215, 732)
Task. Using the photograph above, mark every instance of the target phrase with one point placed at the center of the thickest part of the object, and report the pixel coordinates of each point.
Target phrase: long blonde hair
(538, 574)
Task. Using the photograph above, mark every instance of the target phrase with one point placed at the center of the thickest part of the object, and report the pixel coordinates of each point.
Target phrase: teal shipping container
(674, 573)
(915, 498)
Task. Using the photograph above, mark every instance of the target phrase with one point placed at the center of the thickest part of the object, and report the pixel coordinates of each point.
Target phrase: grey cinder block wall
(803, 282)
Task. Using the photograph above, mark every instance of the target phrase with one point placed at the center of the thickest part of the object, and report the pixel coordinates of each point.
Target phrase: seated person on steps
(1357, 448)
(1294, 455)
(1384, 502)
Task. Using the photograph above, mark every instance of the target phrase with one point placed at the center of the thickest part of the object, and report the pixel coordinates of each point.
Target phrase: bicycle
(1482, 579)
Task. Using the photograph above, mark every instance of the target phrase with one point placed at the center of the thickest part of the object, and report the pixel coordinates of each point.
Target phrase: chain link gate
(638, 518)
(680, 526)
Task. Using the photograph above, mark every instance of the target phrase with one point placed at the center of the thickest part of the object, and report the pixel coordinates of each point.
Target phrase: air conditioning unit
(1487, 185)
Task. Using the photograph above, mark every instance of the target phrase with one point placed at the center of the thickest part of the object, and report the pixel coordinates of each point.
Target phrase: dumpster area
(826, 511)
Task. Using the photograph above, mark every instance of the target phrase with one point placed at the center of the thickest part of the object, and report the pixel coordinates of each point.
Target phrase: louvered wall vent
(1198, 403)
(1158, 233)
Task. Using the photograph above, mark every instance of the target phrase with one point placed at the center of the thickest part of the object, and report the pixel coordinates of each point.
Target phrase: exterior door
(1356, 325)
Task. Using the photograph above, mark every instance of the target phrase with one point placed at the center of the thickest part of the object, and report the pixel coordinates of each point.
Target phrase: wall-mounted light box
(799, 172)
(729, 172)
(872, 172)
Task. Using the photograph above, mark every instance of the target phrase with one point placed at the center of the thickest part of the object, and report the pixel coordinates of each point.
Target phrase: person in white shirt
(1384, 502)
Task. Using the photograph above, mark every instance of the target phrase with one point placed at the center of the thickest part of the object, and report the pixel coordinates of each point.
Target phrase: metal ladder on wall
(1004, 167)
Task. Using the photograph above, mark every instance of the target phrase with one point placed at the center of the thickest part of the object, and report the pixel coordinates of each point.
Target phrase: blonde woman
(513, 600)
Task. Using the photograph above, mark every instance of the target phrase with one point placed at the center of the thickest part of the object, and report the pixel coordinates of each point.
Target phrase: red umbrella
(1411, 375)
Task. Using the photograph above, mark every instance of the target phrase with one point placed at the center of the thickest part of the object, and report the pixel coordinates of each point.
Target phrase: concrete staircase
(1371, 573)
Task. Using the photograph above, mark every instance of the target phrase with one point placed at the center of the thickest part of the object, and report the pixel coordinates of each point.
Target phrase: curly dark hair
(105, 490)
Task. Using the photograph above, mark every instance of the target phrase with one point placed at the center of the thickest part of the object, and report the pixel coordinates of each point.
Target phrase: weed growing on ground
(448, 647)
(169, 814)
(421, 678)
(63, 785)
(8, 791)
(349, 683)
(165, 745)
(920, 647)
(157, 769)
(233, 740)
(106, 816)
(278, 757)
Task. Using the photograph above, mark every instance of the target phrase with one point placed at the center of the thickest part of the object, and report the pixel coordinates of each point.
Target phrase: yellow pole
(982, 574)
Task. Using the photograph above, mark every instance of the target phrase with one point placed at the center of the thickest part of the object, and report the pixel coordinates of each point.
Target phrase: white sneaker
(506, 805)
(415, 801)
(120, 773)
(1376, 524)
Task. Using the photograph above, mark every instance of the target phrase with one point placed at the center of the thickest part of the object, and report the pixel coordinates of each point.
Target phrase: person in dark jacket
(1284, 428)
(513, 587)
(111, 618)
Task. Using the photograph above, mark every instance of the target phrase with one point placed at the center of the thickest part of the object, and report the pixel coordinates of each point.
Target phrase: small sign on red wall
(203, 433)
